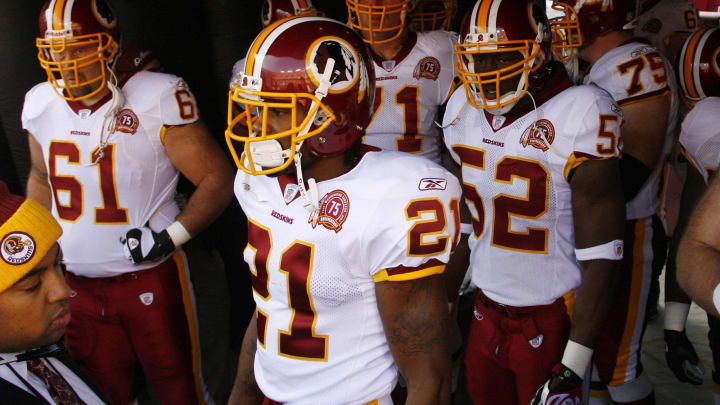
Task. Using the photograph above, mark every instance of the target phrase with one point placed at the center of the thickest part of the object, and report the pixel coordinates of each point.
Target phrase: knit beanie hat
(27, 232)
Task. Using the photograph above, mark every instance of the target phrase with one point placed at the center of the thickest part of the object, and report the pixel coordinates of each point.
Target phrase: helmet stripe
(57, 20)
(696, 62)
(481, 19)
(689, 53)
(252, 51)
(270, 39)
(67, 17)
(492, 18)
(259, 48)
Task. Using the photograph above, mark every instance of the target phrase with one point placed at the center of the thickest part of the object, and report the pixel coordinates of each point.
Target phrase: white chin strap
(268, 153)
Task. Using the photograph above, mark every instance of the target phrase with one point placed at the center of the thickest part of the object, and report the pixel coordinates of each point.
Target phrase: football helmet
(68, 26)
(581, 21)
(387, 19)
(512, 33)
(430, 15)
(698, 67)
(273, 10)
(316, 63)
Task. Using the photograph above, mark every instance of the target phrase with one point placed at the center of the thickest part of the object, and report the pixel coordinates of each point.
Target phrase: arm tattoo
(250, 387)
(415, 329)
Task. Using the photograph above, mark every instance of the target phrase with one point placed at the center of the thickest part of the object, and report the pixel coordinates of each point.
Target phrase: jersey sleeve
(177, 104)
(634, 74)
(36, 101)
(448, 83)
(700, 137)
(416, 227)
(596, 129)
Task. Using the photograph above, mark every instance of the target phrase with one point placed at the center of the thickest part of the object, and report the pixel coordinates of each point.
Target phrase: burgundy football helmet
(430, 15)
(699, 65)
(273, 10)
(377, 20)
(581, 21)
(514, 28)
(72, 25)
(314, 62)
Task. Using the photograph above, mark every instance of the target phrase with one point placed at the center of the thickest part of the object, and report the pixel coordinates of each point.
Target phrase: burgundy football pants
(511, 350)
(137, 318)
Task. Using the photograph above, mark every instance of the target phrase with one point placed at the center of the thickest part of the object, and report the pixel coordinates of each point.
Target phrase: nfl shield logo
(536, 341)
(147, 298)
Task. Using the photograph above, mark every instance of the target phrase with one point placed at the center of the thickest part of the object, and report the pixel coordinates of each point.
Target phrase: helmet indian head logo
(104, 14)
(346, 71)
(17, 248)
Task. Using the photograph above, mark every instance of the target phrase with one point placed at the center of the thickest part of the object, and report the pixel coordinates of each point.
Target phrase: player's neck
(603, 44)
(327, 168)
(389, 50)
(90, 101)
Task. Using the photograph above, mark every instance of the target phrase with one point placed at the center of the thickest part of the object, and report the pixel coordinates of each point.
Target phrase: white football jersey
(631, 73)
(320, 336)
(408, 91)
(667, 18)
(700, 136)
(515, 183)
(132, 185)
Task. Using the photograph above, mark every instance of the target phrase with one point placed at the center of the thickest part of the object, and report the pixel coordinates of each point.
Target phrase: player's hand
(563, 387)
(143, 245)
(682, 359)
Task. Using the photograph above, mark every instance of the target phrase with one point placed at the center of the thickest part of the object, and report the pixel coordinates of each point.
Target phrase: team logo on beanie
(17, 248)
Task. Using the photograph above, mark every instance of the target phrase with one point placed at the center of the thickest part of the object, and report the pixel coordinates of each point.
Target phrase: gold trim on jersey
(383, 275)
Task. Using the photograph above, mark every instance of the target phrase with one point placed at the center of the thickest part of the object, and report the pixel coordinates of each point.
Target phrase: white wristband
(466, 229)
(716, 297)
(612, 250)
(178, 234)
(676, 314)
(577, 358)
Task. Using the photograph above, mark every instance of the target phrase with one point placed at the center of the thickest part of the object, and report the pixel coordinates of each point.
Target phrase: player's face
(377, 21)
(279, 120)
(85, 71)
(34, 311)
(492, 62)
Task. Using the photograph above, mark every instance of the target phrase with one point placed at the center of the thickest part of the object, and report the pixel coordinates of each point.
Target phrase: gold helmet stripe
(688, 62)
(58, 15)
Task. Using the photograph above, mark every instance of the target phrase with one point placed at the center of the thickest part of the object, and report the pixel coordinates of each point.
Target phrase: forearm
(593, 299)
(210, 198)
(415, 317)
(245, 389)
(457, 267)
(428, 390)
(38, 188)
(699, 272)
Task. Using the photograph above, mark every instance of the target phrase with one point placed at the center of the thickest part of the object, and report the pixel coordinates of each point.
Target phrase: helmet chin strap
(311, 199)
(117, 102)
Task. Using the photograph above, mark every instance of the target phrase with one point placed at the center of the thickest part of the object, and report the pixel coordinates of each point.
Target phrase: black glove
(563, 387)
(143, 245)
(682, 359)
